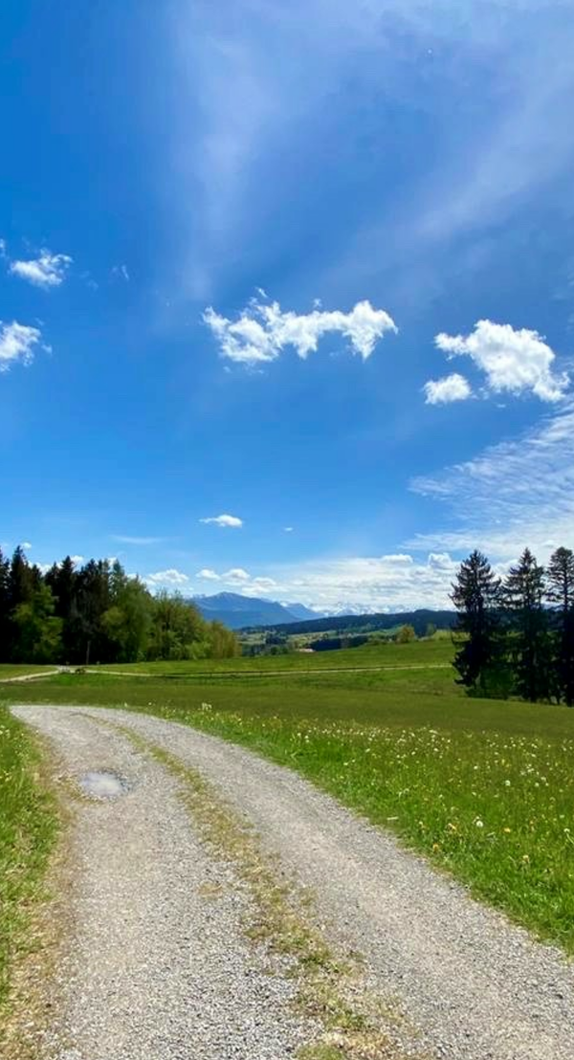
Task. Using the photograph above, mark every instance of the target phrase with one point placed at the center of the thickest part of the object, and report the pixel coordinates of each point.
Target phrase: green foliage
(405, 634)
(128, 621)
(97, 614)
(36, 632)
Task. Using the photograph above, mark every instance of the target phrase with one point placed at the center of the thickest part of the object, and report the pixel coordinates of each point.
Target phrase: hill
(237, 611)
(368, 623)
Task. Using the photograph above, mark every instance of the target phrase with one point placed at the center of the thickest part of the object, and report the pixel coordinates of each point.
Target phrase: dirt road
(157, 965)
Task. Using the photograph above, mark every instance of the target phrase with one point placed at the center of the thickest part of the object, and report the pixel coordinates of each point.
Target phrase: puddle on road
(103, 785)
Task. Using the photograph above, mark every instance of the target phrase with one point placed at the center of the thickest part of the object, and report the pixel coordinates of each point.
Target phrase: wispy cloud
(232, 521)
(17, 342)
(513, 361)
(120, 272)
(263, 330)
(169, 578)
(261, 98)
(517, 493)
(450, 388)
(47, 270)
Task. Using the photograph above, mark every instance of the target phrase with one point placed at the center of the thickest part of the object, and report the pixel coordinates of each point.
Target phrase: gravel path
(474, 986)
(156, 966)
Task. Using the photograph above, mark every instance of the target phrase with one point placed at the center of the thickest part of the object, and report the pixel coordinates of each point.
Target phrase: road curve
(469, 985)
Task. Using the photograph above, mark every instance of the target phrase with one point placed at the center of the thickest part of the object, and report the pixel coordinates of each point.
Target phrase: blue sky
(306, 265)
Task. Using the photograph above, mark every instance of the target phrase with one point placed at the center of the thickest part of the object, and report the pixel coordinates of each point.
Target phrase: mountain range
(237, 611)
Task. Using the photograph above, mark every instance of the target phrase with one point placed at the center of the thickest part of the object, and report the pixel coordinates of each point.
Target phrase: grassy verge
(28, 828)
(9, 670)
(484, 788)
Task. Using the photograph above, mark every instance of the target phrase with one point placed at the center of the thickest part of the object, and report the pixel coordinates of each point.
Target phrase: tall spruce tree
(4, 608)
(530, 644)
(560, 592)
(476, 596)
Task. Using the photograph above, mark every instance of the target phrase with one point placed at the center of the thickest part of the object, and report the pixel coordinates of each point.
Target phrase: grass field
(423, 652)
(8, 670)
(28, 826)
(484, 788)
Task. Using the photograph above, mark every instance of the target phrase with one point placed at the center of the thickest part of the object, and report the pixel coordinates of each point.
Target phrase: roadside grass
(483, 788)
(8, 670)
(28, 829)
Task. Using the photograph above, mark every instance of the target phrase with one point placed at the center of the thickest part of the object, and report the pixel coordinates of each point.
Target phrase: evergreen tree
(63, 581)
(21, 580)
(92, 600)
(560, 592)
(476, 596)
(529, 632)
(4, 608)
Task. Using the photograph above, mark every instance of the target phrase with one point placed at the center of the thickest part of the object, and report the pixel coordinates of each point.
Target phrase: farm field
(483, 788)
(423, 652)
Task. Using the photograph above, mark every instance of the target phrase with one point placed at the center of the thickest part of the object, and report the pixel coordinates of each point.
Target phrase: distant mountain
(301, 612)
(238, 611)
(370, 622)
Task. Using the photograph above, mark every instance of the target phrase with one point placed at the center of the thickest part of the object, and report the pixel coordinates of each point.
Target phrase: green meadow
(483, 788)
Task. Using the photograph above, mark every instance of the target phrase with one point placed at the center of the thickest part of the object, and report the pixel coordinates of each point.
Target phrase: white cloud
(47, 270)
(167, 577)
(237, 574)
(262, 331)
(26, 545)
(517, 493)
(17, 342)
(224, 520)
(450, 388)
(263, 585)
(384, 583)
(77, 560)
(288, 529)
(208, 575)
(514, 361)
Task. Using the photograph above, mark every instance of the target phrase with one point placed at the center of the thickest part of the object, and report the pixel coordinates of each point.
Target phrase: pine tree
(524, 592)
(476, 596)
(63, 580)
(4, 608)
(560, 592)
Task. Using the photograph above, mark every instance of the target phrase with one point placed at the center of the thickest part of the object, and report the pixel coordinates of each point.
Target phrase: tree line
(96, 613)
(515, 635)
